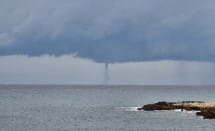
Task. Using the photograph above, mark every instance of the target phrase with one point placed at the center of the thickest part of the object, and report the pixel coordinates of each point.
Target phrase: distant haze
(71, 70)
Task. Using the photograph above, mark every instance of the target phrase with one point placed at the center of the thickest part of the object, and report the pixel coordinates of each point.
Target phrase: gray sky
(64, 41)
(109, 31)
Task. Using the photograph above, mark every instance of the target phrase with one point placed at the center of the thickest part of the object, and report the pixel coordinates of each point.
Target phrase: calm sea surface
(98, 108)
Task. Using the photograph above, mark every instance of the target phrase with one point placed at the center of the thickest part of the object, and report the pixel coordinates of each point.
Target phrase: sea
(99, 108)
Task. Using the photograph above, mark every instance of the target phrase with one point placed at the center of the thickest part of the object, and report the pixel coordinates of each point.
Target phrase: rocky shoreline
(205, 109)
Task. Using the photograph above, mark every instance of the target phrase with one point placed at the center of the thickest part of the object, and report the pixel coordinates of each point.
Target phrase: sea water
(99, 108)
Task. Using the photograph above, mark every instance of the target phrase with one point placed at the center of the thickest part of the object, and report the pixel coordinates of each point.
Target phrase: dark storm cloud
(109, 31)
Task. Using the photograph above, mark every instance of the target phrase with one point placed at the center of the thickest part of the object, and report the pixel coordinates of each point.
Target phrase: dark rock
(207, 110)
(158, 106)
(207, 113)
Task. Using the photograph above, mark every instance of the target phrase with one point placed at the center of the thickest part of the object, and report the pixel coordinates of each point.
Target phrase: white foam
(185, 111)
(191, 112)
(129, 108)
(177, 110)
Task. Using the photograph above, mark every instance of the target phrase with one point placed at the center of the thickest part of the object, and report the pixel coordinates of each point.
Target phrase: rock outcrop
(205, 109)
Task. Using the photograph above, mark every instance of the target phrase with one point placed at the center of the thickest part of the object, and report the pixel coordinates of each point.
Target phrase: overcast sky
(78, 36)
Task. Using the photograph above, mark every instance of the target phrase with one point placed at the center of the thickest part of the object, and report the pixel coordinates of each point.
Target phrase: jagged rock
(205, 109)
(157, 106)
(207, 113)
